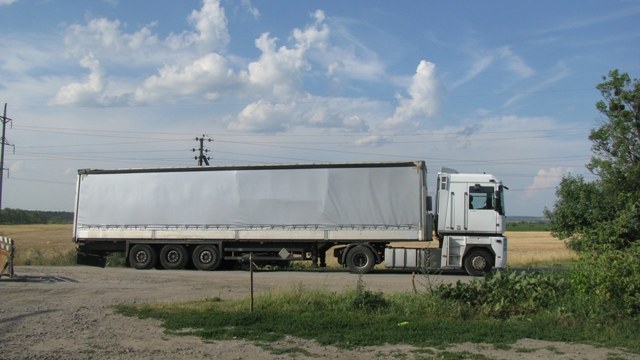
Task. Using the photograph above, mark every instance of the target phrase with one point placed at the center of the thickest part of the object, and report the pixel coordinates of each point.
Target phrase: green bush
(607, 282)
(506, 294)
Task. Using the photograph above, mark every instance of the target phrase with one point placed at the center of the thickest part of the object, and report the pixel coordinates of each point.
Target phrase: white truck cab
(469, 216)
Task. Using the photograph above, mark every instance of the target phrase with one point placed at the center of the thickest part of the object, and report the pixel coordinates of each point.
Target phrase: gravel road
(66, 313)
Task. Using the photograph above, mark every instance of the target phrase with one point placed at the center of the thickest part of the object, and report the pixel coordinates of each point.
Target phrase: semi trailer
(367, 213)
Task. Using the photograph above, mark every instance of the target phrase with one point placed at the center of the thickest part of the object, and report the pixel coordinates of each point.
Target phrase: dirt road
(66, 313)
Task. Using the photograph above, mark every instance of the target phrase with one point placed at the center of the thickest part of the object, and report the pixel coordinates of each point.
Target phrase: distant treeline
(19, 217)
(540, 225)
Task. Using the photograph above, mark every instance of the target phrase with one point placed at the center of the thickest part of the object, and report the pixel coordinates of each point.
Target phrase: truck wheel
(477, 262)
(206, 257)
(142, 256)
(173, 257)
(360, 260)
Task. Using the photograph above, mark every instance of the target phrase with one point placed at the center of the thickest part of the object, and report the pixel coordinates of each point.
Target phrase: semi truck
(366, 213)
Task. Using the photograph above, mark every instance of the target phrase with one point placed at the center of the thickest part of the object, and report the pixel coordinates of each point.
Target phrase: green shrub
(116, 260)
(506, 294)
(607, 282)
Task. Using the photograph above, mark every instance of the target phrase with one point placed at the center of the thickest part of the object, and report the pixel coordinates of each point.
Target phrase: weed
(116, 260)
(364, 299)
(507, 294)
(36, 257)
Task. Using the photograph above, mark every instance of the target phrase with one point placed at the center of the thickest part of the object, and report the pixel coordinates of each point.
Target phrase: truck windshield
(500, 201)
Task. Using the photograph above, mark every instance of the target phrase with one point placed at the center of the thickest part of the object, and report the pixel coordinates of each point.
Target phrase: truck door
(482, 216)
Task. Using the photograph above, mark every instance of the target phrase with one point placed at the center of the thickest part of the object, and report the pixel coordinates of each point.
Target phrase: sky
(500, 87)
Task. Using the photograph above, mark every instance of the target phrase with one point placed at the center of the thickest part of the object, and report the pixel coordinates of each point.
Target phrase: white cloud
(109, 40)
(105, 39)
(24, 57)
(545, 179)
(480, 65)
(504, 57)
(278, 70)
(210, 24)
(7, 2)
(347, 57)
(206, 76)
(83, 93)
(423, 101)
(515, 63)
(372, 140)
(334, 114)
(250, 8)
(263, 116)
(559, 72)
(327, 116)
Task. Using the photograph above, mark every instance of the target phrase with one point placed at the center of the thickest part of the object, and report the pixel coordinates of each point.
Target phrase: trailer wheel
(360, 260)
(206, 257)
(173, 257)
(142, 256)
(477, 262)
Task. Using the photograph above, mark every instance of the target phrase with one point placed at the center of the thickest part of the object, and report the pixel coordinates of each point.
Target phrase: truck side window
(481, 198)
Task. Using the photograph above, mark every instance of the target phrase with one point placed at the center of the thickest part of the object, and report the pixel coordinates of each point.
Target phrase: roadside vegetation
(497, 310)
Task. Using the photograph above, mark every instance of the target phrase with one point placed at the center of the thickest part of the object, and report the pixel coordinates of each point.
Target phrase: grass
(341, 319)
(49, 244)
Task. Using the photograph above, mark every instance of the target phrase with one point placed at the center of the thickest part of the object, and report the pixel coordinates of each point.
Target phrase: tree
(606, 212)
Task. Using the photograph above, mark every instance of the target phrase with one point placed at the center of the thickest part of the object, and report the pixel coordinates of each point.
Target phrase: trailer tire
(173, 257)
(142, 256)
(206, 257)
(477, 262)
(360, 260)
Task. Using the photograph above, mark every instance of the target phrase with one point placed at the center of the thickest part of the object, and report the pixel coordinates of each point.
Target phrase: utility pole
(4, 142)
(202, 158)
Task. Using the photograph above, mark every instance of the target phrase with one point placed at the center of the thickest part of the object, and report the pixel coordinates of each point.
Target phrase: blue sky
(500, 87)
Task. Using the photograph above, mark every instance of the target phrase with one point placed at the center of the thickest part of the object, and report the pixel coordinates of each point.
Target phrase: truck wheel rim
(360, 260)
(141, 256)
(479, 262)
(173, 256)
(205, 257)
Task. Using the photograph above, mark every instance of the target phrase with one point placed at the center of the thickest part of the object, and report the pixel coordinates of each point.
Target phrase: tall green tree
(606, 211)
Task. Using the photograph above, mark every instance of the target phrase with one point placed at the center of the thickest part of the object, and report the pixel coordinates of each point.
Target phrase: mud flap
(91, 259)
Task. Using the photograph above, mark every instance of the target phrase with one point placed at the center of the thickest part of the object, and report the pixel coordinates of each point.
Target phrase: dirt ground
(66, 313)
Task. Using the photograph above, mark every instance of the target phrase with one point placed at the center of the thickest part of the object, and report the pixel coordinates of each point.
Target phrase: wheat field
(37, 243)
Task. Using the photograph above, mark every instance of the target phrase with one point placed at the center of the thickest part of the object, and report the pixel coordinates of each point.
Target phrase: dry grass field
(51, 244)
(39, 244)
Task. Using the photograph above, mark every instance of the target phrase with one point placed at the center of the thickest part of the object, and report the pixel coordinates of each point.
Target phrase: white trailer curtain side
(354, 196)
